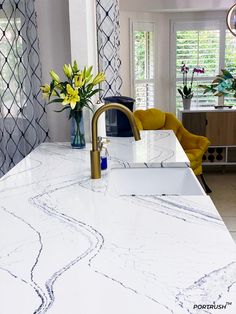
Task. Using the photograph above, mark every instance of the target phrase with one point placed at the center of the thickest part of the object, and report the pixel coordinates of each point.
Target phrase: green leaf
(208, 89)
(94, 92)
(89, 88)
(185, 90)
(88, 107)
(218, 94)
(234, 84)
(203, 86)
(55, 100)
(226, 73)
(52, 85)
(70, 115)
(181, 93)
(64, 108)
(217, 80)
(189, 91)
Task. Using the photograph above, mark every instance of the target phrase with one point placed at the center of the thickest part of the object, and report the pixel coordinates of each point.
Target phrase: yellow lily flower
(54, 76)
(71, 98)
(100, 77)
(79, 81)
(67, 70)
(45, 90)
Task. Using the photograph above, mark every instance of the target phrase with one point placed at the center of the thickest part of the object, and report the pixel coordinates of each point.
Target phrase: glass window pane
(144, 66)
(229, 101)
(143, 55)
(198, 48)
(144, 93)
(139, 55)
(230, 52)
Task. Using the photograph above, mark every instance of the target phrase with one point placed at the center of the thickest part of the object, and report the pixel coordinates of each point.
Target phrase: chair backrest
(172, 123)
(155, 119)
(150, 119)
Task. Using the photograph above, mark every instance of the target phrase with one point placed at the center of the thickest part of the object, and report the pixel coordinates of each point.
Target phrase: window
(208, 45)
(230, 60)
(143, 64)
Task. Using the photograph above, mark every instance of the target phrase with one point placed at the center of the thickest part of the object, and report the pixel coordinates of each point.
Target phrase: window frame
(142, 25)
(179, 24)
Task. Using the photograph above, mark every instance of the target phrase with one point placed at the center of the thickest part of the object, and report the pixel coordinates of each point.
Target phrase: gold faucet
(95, 153)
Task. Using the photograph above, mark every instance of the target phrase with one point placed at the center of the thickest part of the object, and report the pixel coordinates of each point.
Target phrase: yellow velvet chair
(194, 145)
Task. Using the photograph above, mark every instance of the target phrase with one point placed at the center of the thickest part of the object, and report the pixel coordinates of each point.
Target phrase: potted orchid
(186, 92)
(74, 93)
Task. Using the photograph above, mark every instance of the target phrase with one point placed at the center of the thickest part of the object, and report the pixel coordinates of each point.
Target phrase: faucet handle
(106, 140)
(100, 143)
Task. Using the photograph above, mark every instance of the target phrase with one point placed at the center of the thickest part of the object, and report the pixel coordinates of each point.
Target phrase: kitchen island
(68, 246)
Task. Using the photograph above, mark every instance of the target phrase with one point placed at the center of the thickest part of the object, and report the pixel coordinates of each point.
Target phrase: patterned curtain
(22, 113)
(108, 34)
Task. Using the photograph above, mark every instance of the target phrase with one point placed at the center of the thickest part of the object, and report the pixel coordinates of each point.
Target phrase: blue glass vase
(77, 130)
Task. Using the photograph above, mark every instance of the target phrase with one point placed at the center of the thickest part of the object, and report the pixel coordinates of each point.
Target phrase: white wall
(67, 32)
(84, 43)
(54, 38)
(163, 74)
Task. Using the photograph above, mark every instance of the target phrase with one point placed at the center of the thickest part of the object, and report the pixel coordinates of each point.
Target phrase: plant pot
(77, 130)
(186, 103)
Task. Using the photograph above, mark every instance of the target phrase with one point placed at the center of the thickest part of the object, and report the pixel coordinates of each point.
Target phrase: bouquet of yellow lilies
(74, 93)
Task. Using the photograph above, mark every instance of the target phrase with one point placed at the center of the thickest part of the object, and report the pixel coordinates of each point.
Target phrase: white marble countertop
(156, 149)
(68, 247)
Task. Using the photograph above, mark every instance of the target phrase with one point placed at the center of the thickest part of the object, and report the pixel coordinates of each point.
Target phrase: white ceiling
(175, 5)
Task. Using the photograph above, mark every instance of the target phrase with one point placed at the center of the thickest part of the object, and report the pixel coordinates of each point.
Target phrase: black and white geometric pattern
(108, 36)
(23, 123)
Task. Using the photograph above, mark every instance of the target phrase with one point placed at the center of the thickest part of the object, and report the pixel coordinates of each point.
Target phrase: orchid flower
(187, 92)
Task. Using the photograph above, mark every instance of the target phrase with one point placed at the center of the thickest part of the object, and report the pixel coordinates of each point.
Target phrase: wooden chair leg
(206, 187)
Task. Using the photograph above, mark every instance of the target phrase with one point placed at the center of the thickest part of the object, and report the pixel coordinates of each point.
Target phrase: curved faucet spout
(95, 153)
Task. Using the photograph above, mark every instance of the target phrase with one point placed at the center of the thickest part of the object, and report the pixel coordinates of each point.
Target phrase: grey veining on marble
(66, 246)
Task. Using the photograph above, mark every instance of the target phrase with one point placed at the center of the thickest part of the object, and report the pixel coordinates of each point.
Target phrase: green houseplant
(74, 93)
(224, 84)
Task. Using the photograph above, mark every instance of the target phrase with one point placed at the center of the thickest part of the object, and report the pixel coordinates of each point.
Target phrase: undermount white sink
(153, 181)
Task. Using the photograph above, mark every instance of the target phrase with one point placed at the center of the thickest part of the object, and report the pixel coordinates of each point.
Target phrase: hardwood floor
(223, 186)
